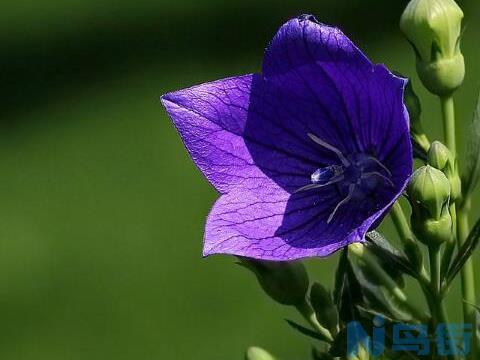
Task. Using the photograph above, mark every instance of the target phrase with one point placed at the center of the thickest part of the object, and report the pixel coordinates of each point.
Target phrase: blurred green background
(102, 211)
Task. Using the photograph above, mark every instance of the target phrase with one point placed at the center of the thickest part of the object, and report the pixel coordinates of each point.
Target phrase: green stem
(448, 112)
(451, 244)
(401, 223)
(467, 273)
(410, 245)
(437, 305)
(435, 263)
(468, 281)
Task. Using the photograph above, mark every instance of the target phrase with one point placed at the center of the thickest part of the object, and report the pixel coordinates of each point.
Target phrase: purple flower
(308, 156)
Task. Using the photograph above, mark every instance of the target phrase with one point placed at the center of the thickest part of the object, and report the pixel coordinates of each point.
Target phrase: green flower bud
(433, 27)
(429, 195)
(442, 159)
(285, 282)
(439, 156)
(256, 353)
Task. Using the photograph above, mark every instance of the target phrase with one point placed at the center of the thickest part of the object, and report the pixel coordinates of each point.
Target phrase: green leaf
(465, 253)
(389, 323)
(347, 292)
(379, 299)
(472, 170)
(325, 310)
(394, 262)
(378, 296)
(306, 331)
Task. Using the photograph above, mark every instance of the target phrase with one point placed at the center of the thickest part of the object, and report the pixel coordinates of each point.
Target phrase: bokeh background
(102, 212)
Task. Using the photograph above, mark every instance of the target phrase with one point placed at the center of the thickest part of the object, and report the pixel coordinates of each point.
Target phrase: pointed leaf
(389, 322)
(472, 170)
(325, 310)
(380, 299)
(465, 253)
(377, 296)
(393, 260)
(348, 291)
(306, 331)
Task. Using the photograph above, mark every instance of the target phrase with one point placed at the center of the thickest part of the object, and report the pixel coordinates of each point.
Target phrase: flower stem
(438, 307)
(448, 112)
(468, 281)
(467, 273)
(435, 263)
(403, 229)
(401, 223)
(450, 246)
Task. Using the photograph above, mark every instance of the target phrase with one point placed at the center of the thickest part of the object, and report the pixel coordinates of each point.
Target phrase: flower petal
(211, 119)
(361, 103)
(223, 122)
(268, 223)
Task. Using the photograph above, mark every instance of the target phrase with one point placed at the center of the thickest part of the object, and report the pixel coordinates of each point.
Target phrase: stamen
(351, 190)
(316, 186)
(379, 163)
(376, 173)
(332, 148)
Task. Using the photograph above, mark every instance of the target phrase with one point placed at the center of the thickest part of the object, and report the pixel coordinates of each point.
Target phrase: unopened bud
(442, 159)
(429, 195)
(433, 27)
(256, 353)
(285, 282)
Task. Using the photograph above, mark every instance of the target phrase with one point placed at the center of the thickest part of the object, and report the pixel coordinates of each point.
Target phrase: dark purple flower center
(357, 176)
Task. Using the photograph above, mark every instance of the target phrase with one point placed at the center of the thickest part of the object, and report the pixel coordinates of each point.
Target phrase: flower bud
(433, 27)
(442, 159)
(256, 353)
(439, 156)
(429, 195)
(285, 282)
